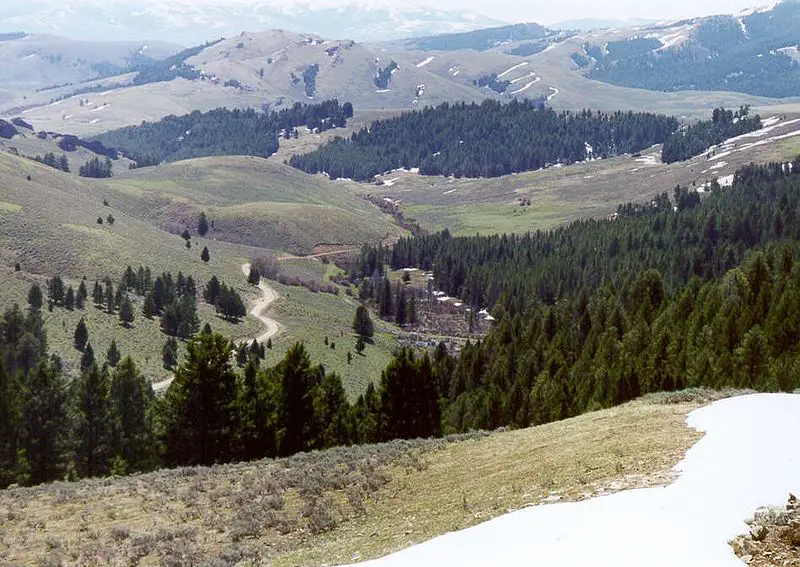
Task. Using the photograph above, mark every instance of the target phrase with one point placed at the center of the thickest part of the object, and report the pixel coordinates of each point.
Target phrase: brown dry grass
(344, 504)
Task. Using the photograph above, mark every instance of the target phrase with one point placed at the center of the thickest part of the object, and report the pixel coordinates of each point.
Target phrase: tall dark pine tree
(9, 427)
(131, 398)
(69, 299)
(199, 408)
(43, 425)
(362, 324)
(202, 224)
(204, 256)
(88, 357)
(169, 353)
(296, 414)
(35, 296)
(112, 355)
(409, 398)
(81, 335)
(81, 296)
(126, 311)
(93, 423)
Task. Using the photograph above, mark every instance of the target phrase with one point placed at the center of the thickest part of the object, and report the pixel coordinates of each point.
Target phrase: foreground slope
(345, 504)
(746, 459)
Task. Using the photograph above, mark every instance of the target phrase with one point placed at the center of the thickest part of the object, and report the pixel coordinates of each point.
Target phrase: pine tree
(296, 413)
(93, 423)
(199, 416)
(112, 355)
(109, 297)
(43, 425)
(149, 306)
(131, 399)
(88, 357)
(202, 224)
(69, 299)
(361, 344)
(35, 297)
(126, 315)
(186, 236)
(97, 294)
(254, 276)
(211, 291)
(204, 256)
(9, 427)
(81, 296)
(55, 288)
(81, 335)
(169, 353)
(362, 324)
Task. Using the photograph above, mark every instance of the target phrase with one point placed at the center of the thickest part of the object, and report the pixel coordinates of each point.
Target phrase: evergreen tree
(131, 399)
(169, 353)
(204, 256)
(149, 307)
(362, 324)
(81, 335)
(199, 418)
(408, 398)
(110, 297)
(296, 412)
(93, 423)
(211, 291)
(361, 344)
(97, 294)
(112, 355)
(55, 288)
(35, 297)
(9, 427)
(126, 315)
(43, 426)
(202, 224)
(81, 296)
(254, 276)
(69, 299)
(88, 357)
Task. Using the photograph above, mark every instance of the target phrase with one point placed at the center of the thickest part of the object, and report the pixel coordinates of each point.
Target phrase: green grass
(469, 219)
(310, 317)
(253, 201)
(143, 341)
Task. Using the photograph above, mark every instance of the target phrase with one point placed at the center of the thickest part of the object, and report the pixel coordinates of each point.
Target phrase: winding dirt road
(268, 297)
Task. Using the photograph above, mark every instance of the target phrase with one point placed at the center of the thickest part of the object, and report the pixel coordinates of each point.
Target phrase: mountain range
(190, 23)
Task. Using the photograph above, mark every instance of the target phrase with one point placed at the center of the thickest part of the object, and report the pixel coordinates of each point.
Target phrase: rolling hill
(277, 68)
(754, 52)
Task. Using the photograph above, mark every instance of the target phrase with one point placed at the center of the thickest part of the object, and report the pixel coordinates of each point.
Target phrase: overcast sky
(543, 11)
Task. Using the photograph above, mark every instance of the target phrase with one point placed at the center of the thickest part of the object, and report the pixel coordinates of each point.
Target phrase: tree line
(681, 238)
(484, 140)
(696, 139)
(221, 132)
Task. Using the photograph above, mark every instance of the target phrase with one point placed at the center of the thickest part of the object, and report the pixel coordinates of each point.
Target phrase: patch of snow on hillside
(383, 91)
(771, 121)
(526, 87)
(94, 121)
(390, 182)
(523, 77)
(31, 56)
(448, 192)
(553, 94)
(726, 181)
(742, 25)
(512, 69)
(426, 62)
(651, 159)
(747, 458)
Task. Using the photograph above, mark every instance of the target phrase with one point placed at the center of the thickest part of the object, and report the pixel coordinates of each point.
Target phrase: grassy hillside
(252, 201)
(562, 194)
(346, 504)
(50, 227)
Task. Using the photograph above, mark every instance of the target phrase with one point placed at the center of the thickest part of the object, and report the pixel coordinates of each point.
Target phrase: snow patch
(448, 192)
(746, 459)
(726, 181)
(429, 60)
(514, 68)
(553, 94)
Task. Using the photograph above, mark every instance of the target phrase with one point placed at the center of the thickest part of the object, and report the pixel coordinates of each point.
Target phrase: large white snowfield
(749, 457)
